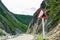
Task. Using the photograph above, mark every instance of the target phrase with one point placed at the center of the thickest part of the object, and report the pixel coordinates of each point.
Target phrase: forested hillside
(25, 19)
(12, 23)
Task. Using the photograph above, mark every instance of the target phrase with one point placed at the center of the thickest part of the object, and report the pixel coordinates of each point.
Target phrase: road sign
(42, 14)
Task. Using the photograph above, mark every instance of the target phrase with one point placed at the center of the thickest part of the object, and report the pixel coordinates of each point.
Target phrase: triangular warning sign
(42, 14)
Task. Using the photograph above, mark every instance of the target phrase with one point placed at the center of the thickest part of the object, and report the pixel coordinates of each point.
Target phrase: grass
(39, 37)
(1, 33)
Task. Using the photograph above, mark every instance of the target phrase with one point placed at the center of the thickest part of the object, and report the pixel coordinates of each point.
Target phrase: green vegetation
(53, 12)
(1, 33)
(12, 21)
(39, 37)
(25, 19)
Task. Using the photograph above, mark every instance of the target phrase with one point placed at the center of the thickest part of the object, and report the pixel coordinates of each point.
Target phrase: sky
(25, 7)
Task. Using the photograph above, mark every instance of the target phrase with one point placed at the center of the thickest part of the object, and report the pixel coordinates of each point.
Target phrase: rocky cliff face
(54, 34)
(53, 11)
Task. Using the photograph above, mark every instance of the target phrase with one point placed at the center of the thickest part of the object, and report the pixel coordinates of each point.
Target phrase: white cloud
(27, 7)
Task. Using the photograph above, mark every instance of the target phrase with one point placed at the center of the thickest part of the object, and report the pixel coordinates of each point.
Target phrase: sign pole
(42, 14)
(43, 28)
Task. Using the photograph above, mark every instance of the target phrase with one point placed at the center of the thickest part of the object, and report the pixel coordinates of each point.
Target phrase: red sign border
(46, 16)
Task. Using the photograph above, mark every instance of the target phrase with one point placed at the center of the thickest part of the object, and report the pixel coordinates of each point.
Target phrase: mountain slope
(25, 19)
(9, 22)
(52, 8)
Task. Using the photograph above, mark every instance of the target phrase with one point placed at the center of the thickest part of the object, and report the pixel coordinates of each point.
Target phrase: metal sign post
(43, 28)
(42, 14)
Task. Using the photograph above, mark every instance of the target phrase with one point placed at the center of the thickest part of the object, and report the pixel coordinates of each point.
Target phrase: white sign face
(41, 13)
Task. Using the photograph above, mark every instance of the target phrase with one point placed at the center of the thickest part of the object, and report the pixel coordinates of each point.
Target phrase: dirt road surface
(23, 37)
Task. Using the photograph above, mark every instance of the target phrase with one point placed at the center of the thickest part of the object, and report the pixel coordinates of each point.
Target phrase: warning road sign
(42, 14)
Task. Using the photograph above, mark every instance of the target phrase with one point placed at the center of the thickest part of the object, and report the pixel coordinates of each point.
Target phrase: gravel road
(23, 37)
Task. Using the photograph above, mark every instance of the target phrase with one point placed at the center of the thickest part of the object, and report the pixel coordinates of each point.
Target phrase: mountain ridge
(10, 21)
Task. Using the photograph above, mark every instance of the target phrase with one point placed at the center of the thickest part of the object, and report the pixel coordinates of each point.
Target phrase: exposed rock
(54, 34)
